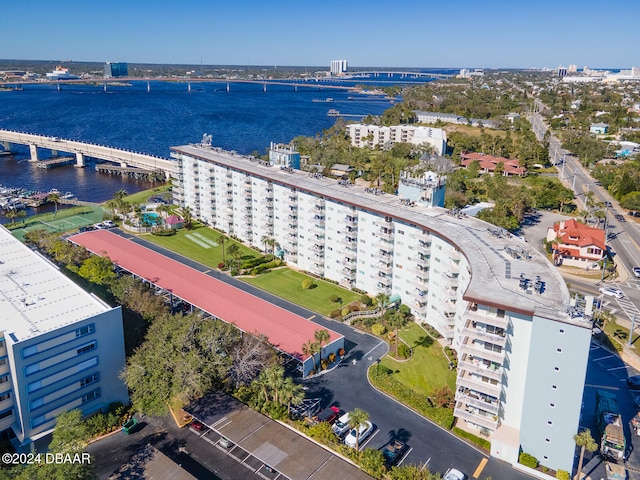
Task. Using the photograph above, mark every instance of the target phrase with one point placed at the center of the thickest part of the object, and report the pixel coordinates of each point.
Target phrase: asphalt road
(347, 387)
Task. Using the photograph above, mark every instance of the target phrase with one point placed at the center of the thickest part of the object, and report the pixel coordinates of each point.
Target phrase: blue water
(245, 119)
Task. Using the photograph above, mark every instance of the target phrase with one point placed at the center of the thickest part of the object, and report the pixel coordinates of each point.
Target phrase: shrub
(563, 475)
(221, 266)
(345, 311)
(306, 284)
(366, 300)
(334, 313)
(354, 308)
(234, 272)
(163, 232)
(334, 298)
(404, 351)
(378, 329)
(341, 352)
(332, 357)
(368, 322)
(324, 363)
(528, 460)
(481, 442)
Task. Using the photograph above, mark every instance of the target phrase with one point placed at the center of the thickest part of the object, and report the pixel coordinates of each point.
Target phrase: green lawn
(427, 369)
(287, 284)
(141, 197)
(197, 244)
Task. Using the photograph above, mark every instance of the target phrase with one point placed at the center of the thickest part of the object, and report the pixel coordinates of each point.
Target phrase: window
(31, 369)
(89, 380)
(552, 405)
(4, 378)
(5, 396)
(562, 330)
(557, 369)
(86, 348)
(554, 387)
(550, 423)
(91, 395)
(3, 361)
(6, 414)
(1, 342)
(547, 440)
(559, 350)
(86, 330)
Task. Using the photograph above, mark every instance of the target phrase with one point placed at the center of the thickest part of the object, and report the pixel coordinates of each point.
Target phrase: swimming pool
(151, 218)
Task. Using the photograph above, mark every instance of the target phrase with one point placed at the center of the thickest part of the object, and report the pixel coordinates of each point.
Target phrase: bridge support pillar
(54, 153)
(79, 160)
(264, 87)
(105, 86)
(148, 87)
(228, 86)
(33, 150)
(6, 146)
(124, 164)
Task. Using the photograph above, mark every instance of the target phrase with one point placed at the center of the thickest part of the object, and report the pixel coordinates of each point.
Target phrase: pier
(133, 172)
(56, 162)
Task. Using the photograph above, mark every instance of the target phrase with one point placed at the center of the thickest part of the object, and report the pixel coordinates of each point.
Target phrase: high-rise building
(562, 71)
(61, 348)
(115, 70)
(338, 67)
(572, 69)
(378, 136)
(522, 350)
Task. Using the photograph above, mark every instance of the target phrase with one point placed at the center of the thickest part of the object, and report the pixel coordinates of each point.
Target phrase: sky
(373, 33)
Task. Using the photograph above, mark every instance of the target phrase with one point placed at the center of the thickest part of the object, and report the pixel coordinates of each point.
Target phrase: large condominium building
(376, 136)
(338, 67)
(521, 354)
(60, 347)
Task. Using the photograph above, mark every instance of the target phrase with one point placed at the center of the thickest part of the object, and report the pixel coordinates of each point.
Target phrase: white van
(341, 426)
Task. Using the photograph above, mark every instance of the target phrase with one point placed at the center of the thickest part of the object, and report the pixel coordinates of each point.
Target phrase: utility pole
(575, 175)
(633, 324)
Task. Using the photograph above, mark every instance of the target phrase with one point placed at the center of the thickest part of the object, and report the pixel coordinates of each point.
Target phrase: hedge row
(254, 262)
(381, 378)
(481, 442)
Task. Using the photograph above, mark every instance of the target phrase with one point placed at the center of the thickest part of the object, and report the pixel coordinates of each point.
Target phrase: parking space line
(602, 358)
(425, 464)
(361, 446)
(404, 456)
(615, 368)
(312, 316)
(478, 471)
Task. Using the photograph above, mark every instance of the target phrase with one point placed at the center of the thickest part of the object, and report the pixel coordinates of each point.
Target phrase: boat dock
(56, 162)
(138, 173)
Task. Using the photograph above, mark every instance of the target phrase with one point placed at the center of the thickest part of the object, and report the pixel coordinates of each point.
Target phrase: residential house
(600, 128)
(488, 164)
(576, 244)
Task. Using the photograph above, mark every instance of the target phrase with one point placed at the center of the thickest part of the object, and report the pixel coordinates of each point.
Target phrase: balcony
(349, 261)
(385, 254)
(472, 382)
(481, 334)
(490, 423)
(291, 228)
(481, 316)
(474, 400)
(350, 220)
(349, 243)
(318, 208)
(473, 366)
(349, 272)
(386, 267)
(293, 208)
(481, 353)
(424, 247)
(386, 233)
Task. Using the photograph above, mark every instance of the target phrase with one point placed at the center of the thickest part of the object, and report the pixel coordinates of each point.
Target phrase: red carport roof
(285, 330)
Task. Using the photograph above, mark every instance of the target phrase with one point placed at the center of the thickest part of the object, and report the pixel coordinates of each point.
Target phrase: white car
(108, 224)
(98, 226)
(453, 474)
(365, 429)
(612, 292)
(341, 426)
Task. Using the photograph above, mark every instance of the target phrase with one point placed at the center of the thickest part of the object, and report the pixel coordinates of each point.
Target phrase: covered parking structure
(265, 446)
(285, 330)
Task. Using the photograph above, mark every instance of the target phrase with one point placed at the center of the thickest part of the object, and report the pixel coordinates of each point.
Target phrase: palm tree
(357, 418)
(310, 348)
(234, 252)
(321, 337)
(382, 298)
(12, 213)
(396, 320)
(21, 214)
(585, 441)
(265, 241)
(55, 199)
(220, 239)
(187, 217)
(291, 393)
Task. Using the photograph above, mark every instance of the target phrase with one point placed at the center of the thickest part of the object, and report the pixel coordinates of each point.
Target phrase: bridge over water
(81, 150)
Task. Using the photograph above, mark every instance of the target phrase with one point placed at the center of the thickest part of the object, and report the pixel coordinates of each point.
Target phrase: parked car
(365, 430)
(453, 474)
(633, 213)
(619, 217)
(393, 452)
(98, 226)
(612, 292)
(328, 414)
(108, 224)
(634, 382)
(636, 272)
(341, 426)
(196, 425)
(88, 228)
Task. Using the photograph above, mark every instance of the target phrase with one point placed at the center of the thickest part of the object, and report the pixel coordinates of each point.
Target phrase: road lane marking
(478, 471)
(367, 354)
(312, 316)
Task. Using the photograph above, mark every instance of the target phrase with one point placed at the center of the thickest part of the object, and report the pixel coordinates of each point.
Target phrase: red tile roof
(285, 330)
(489, 163)
(572, 232)
(173, 220)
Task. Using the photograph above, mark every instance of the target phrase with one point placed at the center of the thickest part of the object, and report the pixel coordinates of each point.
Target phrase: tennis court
(64, 221)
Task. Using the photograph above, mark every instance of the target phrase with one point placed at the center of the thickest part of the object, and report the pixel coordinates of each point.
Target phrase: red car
(196, 425)
(328, 414)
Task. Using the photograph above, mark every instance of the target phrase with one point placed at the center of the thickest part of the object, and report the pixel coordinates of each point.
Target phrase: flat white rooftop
(35, 297)
(496, 258)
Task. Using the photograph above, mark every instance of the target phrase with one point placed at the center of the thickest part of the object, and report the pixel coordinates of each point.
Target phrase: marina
(20, 198)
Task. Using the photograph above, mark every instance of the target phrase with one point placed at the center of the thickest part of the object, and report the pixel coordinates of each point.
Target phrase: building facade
(373, 136)
(339, 67)
(502, 306)
(115, 70)
(60, 347)
(576, 244)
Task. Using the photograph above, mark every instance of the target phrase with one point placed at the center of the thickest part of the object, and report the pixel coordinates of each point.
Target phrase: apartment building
(60, 347)
(522, 350)
(378, 136)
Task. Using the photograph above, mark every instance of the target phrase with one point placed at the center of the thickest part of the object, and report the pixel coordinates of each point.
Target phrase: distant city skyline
(415, 33)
